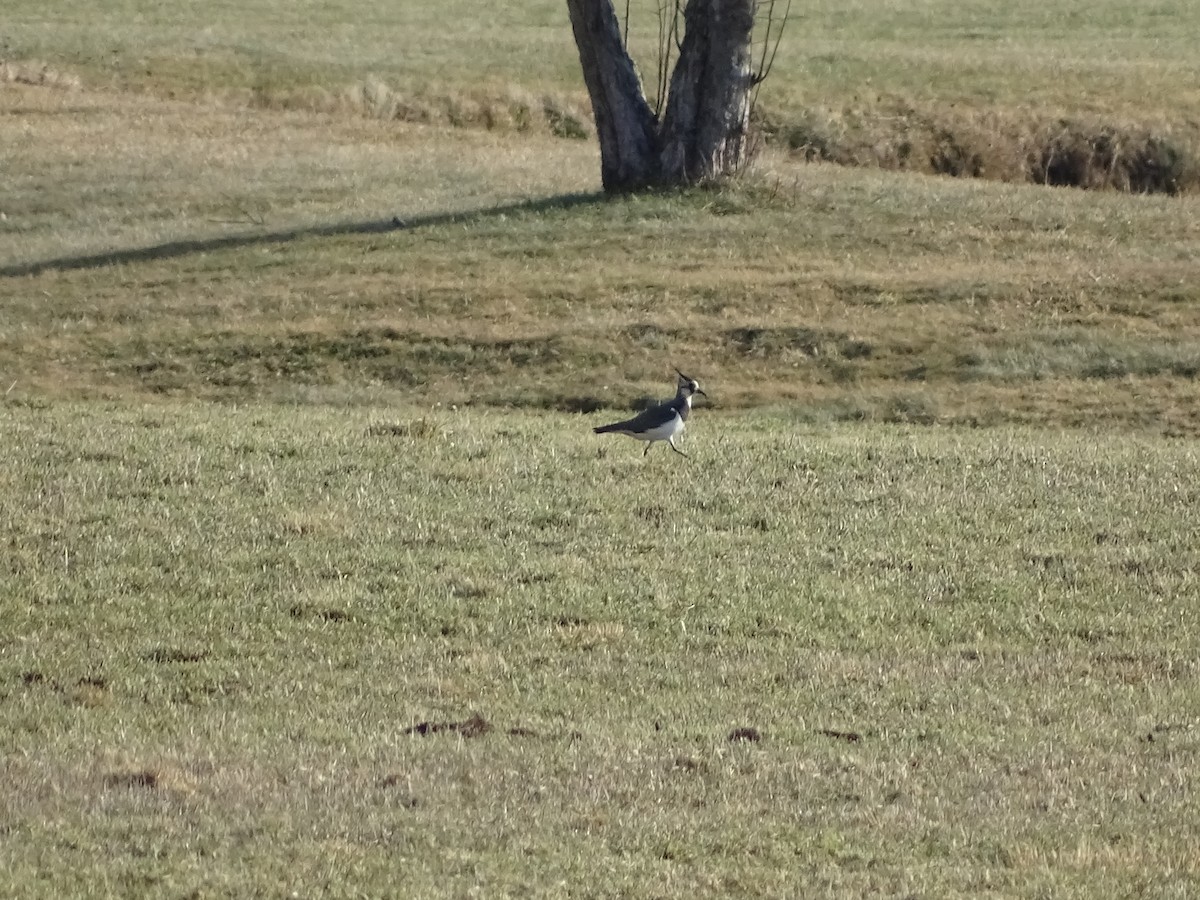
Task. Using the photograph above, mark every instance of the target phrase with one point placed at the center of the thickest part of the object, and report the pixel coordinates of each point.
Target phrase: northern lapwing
(660, 423)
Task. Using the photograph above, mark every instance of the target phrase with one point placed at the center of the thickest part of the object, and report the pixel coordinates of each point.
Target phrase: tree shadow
(187, 247)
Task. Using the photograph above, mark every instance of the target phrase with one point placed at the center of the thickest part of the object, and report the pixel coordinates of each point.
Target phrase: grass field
(222, 622)
(317, 583)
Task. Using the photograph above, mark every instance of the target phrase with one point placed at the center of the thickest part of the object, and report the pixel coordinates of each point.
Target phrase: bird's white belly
(663, 432)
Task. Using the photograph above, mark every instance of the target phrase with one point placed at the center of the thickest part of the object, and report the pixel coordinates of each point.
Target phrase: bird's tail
(604, 429)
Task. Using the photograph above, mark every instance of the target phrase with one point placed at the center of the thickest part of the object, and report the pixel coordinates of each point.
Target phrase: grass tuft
(419, 429)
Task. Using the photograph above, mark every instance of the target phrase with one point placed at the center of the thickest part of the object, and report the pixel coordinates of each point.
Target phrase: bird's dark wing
(643, 421)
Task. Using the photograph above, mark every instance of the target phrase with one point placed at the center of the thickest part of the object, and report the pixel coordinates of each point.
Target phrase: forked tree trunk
(702, 135)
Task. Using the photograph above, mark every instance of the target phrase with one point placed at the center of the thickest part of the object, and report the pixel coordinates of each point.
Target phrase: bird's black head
(688, 385)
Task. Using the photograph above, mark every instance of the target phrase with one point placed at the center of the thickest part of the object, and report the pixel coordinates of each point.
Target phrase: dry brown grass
(37, 73)
(323, 257)
(1023, 146)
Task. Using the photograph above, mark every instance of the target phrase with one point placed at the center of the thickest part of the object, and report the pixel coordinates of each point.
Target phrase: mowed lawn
(315, 580)
(805, 661)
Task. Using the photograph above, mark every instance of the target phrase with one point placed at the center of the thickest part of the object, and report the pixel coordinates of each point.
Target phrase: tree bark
(625, 123)
(702, 135)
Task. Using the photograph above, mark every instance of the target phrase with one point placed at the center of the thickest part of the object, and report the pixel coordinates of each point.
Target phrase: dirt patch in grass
(37, 73)
(164, 778)
(89, 691)
(475, 726)
(749, 734)
(320, 614)
(418, 429)
(850, 737)
(168, 655)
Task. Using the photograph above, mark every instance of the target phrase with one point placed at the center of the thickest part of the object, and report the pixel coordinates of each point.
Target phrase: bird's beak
(701, 393)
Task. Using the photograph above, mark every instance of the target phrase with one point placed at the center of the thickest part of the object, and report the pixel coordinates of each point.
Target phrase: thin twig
(767, 61)
(668, 34)
(764, 72)
(662, 49)
(249, 215)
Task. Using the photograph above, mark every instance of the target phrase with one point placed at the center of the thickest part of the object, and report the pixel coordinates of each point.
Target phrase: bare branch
(769, 48)
(762, 62)
(659, 91)
(768, 62)
(669, 16)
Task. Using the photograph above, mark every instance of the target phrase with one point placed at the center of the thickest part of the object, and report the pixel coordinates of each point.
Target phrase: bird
(663, 422)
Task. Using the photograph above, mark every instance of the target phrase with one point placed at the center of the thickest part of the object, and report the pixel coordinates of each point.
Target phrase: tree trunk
(625, 123)
(702, 135)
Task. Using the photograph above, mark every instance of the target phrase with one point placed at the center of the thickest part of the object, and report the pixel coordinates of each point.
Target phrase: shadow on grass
(172, 249)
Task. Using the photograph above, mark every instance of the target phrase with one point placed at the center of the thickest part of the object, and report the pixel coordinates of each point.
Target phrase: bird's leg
(649, 444)
(671, 441)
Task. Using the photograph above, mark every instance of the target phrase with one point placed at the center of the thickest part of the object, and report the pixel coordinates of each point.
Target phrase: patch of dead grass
(998, 144)
(852, 295)
(586, 635)
(38, 74)
(158, 778)
(513, 109)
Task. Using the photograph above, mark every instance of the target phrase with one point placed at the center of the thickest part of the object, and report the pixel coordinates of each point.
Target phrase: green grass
(290, 371)
(221, 622)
